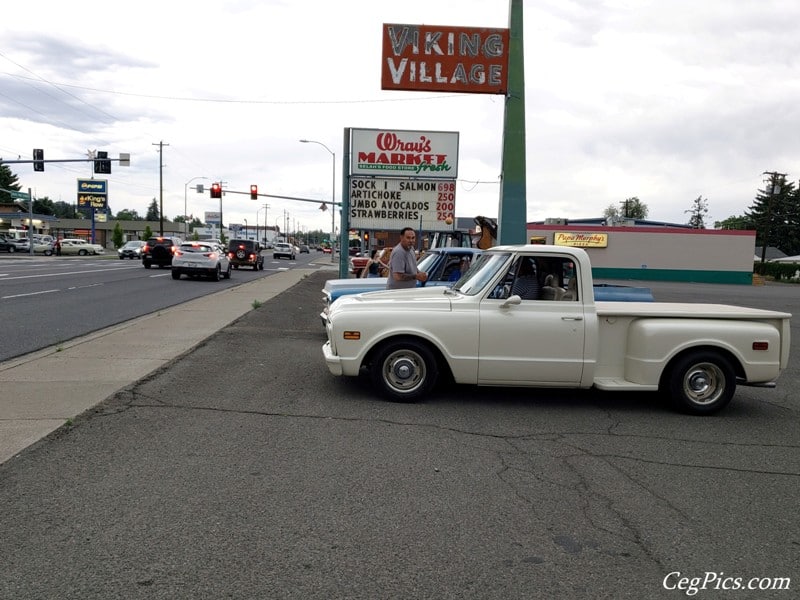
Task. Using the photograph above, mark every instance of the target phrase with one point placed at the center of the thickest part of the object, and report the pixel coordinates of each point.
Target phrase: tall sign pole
(512, 222)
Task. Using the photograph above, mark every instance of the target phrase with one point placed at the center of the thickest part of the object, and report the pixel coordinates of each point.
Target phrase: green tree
(64, 210)
(8, 181)
(775, 216)
(117, 236)
(153, 213)
(740, 222)
(631, 208)
(44, 206)
(148, 233)
(128, 215)
(698, 211)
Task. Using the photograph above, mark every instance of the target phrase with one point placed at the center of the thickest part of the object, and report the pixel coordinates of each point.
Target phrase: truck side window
(526, 284)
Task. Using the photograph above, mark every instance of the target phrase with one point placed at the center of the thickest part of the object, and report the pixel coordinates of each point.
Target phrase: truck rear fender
(653, 345)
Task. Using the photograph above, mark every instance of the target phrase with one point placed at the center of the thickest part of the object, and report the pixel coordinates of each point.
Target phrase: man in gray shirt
(403, 271)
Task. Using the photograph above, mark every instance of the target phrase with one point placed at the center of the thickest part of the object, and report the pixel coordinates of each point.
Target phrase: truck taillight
(760, 345)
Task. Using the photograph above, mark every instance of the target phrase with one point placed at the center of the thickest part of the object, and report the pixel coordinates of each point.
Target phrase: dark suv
(159, 251)
(245, 253)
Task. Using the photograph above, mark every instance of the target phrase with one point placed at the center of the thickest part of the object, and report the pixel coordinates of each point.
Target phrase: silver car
(195, 259)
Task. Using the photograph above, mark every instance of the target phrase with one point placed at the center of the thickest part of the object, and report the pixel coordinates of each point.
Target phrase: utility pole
(773, 189)
(161, 186)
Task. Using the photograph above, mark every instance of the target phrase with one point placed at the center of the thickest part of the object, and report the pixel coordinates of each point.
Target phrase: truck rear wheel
(702, 383)
(404, 370)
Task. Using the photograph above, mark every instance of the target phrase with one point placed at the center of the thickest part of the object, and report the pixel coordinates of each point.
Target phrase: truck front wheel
(404, 370)
(702, 383)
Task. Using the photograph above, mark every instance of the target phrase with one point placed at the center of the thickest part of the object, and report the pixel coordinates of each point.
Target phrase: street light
(185, 205)
(333, 198)
(245, 230)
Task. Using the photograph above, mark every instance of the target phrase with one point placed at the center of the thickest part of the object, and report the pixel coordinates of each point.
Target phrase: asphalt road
(245, 470)
(46, 301)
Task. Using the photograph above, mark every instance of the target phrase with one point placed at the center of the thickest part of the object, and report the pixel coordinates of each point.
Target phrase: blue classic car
(442, 266)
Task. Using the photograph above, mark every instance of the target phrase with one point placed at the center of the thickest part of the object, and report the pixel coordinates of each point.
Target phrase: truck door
(537, 341)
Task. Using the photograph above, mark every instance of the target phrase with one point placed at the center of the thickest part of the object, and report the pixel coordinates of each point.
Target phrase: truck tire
(404, 370)
(701, 382)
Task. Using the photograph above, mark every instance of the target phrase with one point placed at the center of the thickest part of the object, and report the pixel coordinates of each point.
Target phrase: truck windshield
(482, 271)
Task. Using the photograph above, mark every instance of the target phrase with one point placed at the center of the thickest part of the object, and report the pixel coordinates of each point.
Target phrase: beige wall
(661, 253)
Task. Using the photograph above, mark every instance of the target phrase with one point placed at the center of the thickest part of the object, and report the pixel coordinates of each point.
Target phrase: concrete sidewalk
(42, 390)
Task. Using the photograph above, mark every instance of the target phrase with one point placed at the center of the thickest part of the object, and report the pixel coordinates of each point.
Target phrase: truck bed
(684, 310)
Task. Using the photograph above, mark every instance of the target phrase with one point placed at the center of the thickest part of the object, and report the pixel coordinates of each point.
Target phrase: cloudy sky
(663, 100)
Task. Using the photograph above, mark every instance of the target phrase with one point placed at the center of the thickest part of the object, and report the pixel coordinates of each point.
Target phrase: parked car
(80, 247)
(493, 328)
(132, 250)
(245, 253)
(7, 245)
(21, 244)
(159, 251)
(282, 249)
(196, 259)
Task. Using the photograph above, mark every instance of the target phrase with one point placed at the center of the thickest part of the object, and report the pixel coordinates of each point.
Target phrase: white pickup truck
(497, 328)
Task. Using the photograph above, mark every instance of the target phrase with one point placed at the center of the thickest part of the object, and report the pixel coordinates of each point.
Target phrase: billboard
(391, 204)
(403, 153)
(93, 193)
(434, 58)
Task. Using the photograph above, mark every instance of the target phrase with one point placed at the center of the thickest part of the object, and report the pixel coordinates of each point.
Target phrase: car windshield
(196, 248)
(482, 271)
(427, 261)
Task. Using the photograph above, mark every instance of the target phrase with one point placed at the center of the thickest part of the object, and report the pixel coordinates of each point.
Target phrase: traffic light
(253, 192)
(102, 165)
(216, 190)
(38, 158)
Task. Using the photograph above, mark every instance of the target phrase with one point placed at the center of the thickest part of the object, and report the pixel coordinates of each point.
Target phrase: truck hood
(433, 298)
(335, 287)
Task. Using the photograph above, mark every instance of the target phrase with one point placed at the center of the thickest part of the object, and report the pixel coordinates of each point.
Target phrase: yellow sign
(579, 239)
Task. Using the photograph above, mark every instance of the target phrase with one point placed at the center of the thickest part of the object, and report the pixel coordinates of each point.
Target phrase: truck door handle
(572, 318)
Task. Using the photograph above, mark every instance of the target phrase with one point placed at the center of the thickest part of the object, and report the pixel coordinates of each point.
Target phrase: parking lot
(245, 470)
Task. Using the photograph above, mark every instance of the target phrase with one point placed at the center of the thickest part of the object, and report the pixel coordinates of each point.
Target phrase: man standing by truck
(403, 271)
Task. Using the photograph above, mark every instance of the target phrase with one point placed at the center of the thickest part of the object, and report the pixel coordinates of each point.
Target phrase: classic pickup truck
(495, 328)
(440, 265)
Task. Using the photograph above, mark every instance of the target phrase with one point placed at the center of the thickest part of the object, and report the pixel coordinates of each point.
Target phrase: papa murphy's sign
(578, 239)
(381, 152)
(444, 59)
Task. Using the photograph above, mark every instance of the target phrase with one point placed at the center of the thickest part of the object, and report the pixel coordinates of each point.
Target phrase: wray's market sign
(433, 58)
(382, 152)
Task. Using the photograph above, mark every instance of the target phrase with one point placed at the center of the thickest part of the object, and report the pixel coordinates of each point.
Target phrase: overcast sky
(663, 100)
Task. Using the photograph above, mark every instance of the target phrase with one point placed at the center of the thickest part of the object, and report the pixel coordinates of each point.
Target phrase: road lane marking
(69, 273)
(29, 294)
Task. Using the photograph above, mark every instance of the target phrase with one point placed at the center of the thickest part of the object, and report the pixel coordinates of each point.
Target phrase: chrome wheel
(404, 370)
(702, 382)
